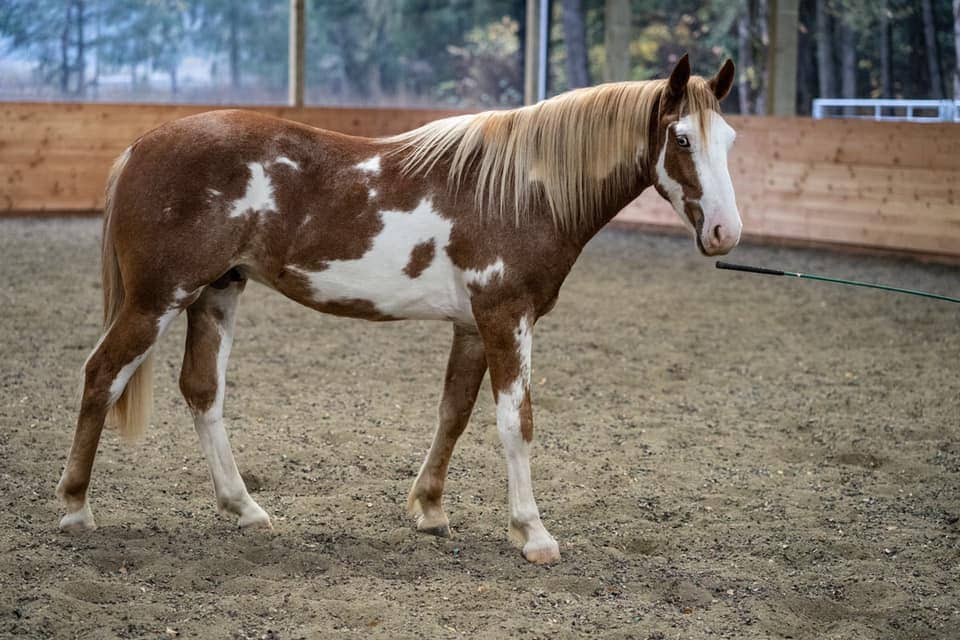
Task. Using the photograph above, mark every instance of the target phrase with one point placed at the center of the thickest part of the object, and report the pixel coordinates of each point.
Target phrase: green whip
(854, 283)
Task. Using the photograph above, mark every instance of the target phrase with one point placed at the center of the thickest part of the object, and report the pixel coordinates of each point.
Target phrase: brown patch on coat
(679, 165)
(526, 417)
(695, 215)
(420, 258)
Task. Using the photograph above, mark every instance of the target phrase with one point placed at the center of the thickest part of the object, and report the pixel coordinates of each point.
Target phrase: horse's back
(324, 218)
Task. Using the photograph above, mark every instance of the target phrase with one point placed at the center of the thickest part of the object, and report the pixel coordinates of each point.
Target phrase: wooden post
(531, 57)
(782, 66)
(298, 38)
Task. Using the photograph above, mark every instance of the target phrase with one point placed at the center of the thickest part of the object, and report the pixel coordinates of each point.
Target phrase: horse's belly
(353, 288)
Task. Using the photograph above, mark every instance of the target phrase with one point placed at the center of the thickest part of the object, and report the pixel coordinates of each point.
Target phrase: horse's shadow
(205, 558)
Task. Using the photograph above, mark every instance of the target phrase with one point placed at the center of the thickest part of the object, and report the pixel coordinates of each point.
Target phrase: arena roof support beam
(298, 50)
(535, 51)
(782, 67)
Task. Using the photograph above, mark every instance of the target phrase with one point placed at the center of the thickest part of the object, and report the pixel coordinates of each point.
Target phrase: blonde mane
(571, 150)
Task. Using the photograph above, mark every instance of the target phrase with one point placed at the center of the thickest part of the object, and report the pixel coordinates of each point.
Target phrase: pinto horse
(475, 219)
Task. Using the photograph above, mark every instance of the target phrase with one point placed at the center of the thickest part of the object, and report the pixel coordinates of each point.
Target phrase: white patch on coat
(259, 195)
(482, 277)
(214, 192)
(287, 161)
(439, 292)
(371, 165)
(372, 193)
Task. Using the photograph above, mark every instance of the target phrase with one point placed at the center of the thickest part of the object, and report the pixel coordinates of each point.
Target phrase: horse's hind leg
(106, 373)
(465, 370)
(210, 325)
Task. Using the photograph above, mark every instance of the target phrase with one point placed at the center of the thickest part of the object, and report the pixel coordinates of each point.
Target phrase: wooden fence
(866, 184)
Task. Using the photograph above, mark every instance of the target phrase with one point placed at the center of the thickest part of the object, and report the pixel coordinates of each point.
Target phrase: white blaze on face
(439, 291)
(721, 217)
(259, 195)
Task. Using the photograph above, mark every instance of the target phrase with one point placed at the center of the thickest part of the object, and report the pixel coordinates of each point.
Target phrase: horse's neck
(611, 205)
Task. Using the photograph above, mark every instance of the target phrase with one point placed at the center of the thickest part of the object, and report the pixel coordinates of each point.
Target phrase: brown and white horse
(476, 220)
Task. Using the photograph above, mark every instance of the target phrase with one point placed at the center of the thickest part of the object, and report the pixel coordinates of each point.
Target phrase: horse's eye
(683, 141)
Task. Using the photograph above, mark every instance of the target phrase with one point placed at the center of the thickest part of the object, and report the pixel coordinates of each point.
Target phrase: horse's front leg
(508, 340)
(465, 370)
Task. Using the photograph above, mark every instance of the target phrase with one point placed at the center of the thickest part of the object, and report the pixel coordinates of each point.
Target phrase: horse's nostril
(716, 232)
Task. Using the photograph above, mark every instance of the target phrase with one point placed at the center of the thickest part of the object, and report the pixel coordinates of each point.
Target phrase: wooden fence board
(870, 184)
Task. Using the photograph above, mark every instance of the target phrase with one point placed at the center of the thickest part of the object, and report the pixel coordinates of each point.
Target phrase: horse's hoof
(542, 554)
(255, 518)
(78, 521)
(442, 531)
(435, 524)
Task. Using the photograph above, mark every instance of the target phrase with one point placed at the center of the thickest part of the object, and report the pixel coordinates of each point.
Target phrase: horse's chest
(405, 273)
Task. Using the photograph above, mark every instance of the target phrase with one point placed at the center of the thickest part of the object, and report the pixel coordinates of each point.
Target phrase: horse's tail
(131, 412)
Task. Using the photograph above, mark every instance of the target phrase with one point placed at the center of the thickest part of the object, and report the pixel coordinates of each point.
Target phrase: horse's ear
(721, 83)
(679, 77)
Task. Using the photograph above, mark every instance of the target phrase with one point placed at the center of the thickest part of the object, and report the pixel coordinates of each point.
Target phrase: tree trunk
(806, 60)
(848, 61)
(744, 56)
(886, 73)
(65, 52)
(930, 42)
(234, 47)
(825, 69)
(762, 23)
(956, 40)
(81, 61)
(616, 39)
(98, 27)
(575, 36)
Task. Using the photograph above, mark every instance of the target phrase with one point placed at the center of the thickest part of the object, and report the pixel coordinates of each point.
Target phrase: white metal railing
(888, 110)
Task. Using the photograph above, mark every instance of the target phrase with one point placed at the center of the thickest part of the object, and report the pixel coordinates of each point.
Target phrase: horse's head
(691, 170)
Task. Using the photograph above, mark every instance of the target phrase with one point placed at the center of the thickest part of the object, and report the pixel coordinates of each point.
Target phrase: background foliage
(458, 52)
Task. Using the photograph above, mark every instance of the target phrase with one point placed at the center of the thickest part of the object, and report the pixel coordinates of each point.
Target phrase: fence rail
(888, 110)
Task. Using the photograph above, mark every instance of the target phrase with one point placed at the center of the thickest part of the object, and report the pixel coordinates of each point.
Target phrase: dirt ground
(720, 456)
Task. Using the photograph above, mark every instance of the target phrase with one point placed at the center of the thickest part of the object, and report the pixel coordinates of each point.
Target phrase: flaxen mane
(579, 146)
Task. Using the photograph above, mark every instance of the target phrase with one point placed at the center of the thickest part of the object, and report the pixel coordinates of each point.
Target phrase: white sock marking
(231, 492)
(523, 507)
